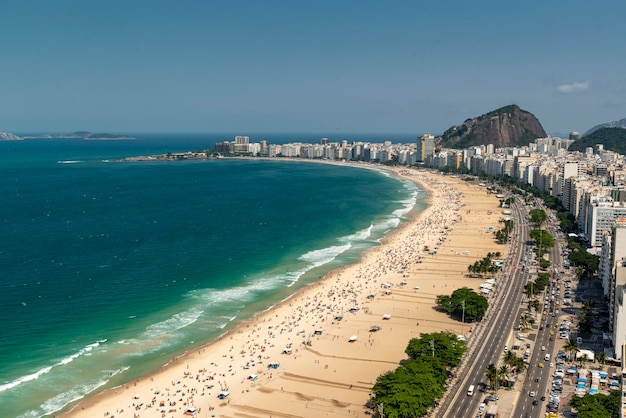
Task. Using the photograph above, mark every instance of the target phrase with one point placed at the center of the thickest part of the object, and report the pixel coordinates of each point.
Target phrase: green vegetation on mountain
(613, 139)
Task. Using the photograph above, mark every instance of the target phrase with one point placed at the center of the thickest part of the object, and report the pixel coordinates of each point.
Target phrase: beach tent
(253, 377)
(190, 411)
(386, 316)
(223, 394)
(287, 350)
(353, 338)
(273, 365)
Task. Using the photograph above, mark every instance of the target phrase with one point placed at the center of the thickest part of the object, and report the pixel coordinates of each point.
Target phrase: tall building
(425, 147)
(241, 143)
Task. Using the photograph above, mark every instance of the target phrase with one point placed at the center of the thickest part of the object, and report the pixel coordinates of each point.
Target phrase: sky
(314, 66)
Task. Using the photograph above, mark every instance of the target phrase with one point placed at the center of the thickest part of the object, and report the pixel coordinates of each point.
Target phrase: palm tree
(492, 375)
(523, 321)
(583, 360)
(503, 372)
(571, 346)
(509, 357)
(533, 304)
(602, 358)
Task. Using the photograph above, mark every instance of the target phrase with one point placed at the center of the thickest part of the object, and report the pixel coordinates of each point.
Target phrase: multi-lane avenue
(498, 325)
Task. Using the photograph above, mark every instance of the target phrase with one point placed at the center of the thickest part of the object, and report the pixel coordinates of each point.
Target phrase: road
(498, 326)
(537, 378)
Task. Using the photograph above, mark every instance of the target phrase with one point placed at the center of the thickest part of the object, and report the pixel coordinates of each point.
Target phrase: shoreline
(197, 387)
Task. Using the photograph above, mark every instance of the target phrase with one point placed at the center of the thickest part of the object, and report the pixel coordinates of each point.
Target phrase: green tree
(464, 302)
(537, 216)
(410, 390)
(598, 406)
(503, 372)
(492, 375)
(443, 346)
(542, 238)
(571, 347)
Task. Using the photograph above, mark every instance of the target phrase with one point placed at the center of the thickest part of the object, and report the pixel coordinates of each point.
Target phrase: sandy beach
(315, 354)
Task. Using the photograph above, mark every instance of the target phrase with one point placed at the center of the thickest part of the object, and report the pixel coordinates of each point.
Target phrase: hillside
(508, 126)
(615, 124)
(8, 136)
(613, 139)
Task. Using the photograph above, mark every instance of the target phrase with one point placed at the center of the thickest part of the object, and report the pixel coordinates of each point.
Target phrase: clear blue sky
(338, 66)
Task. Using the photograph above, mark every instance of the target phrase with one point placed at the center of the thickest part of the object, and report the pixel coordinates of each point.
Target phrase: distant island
(75, 135)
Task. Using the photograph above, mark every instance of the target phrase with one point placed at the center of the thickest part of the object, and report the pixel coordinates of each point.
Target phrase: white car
(543, 348)
(506, 348)
(533, 394)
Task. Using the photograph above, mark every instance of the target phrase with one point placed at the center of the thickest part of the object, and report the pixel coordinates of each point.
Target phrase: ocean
(110, 269)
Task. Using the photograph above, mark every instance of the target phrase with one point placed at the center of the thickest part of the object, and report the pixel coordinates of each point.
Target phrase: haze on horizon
(318, 67)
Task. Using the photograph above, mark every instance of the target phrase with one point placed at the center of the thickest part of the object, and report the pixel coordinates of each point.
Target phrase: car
(551, 364)
(482, 407)
(543, 398)
(535, 402)
(533, 393)
(540, 365)
(536, 379)
(506, 348)
(543, 348)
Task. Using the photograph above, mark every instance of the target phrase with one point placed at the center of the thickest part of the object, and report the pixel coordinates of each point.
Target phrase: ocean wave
(73, 394)
(174, 323)
(44, 370)
(324, 255)
(359, 235)
(81, 352)
(69, 161)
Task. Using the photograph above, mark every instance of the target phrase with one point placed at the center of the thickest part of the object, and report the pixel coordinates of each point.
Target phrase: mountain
(7, 136)
(508, 126)
(80, 135)
(613, 139)
(615, 124)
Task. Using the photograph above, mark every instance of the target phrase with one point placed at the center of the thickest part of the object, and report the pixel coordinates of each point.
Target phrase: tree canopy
(414, 387)
(443, 346)
(598, 405)
(542, 238)
(538, 216)
(475, 305)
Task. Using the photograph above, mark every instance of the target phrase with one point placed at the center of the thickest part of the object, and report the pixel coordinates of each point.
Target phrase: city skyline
(319, 67)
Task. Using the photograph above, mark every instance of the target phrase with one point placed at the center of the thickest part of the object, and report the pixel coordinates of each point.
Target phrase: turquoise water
(109, 269)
